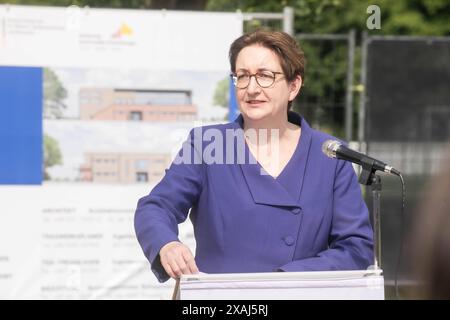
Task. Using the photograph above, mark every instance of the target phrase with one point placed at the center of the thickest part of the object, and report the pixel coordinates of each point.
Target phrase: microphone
(335, 149)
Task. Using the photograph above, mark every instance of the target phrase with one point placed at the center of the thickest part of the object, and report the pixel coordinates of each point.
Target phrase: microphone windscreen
(330, 147)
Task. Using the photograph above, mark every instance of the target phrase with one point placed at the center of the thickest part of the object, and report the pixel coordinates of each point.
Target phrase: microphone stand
(369, 178)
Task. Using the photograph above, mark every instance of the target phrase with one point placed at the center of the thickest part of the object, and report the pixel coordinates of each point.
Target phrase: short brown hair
(292, 58)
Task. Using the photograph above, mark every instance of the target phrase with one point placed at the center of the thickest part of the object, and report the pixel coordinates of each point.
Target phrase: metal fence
(405, 121)
(326, 100)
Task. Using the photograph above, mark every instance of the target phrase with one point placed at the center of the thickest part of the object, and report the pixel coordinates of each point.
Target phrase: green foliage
(54, 95)
(222, 93)
(322, 98)
(401, 17)
(137, 4)
(52, 154)
(246, 5)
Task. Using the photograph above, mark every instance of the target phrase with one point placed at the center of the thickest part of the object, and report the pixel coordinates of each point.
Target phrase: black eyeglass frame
(235, 78)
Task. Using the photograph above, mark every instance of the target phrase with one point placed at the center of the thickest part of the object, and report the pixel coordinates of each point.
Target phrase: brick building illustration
(136, 105)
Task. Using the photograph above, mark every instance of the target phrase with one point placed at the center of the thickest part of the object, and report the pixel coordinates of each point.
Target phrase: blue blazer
(311, 217)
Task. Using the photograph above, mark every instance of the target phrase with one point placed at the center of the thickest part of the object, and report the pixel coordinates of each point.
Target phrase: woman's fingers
(177, 259)
(168, 269)
(190, 262)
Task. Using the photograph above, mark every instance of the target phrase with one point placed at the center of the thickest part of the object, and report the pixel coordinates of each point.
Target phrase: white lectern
(317, 285)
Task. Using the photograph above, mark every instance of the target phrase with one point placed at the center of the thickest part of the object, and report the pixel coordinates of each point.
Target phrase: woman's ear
(294, 87)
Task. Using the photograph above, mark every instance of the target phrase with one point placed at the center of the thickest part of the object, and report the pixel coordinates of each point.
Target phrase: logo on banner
(124, 30)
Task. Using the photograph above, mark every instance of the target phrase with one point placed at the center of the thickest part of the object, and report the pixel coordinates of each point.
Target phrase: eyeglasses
(264, 79)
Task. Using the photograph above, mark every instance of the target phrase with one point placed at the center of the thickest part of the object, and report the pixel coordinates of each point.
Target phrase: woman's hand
(177, 259)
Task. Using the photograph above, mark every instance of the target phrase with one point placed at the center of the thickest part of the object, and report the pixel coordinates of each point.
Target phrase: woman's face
(258, 103)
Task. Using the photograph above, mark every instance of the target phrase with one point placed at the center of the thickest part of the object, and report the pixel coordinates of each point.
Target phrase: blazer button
(289, 240)
(297, 211)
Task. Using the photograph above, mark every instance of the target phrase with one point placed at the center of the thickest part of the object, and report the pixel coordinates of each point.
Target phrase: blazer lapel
(293, 175)
(263, 187)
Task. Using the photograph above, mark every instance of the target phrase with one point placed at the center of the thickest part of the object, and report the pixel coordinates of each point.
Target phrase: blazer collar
(264, 188)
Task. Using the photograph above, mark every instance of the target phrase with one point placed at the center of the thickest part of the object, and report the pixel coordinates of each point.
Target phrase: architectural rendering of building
(136, 105)
(123, 167)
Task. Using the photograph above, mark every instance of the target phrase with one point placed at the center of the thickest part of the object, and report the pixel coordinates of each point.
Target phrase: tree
(52, 154)
(406, 17)
(54, 95)
(129, 4)
(222, 93)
